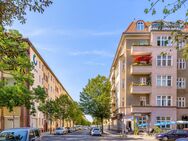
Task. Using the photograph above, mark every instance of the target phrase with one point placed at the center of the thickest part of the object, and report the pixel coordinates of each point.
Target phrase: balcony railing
(141, 69)
(141, 109)
(140, 89)
(144, 49)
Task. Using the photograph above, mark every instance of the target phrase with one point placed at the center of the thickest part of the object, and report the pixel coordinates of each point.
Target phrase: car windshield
(13, 136)
(96, 129)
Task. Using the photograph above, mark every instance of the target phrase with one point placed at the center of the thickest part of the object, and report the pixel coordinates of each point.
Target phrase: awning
(182, 122)
(143, 125)
(165, 123)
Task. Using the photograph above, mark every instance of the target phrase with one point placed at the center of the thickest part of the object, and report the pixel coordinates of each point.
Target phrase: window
(181, 83)
(163, 119)
(142, 120)
(164, 100)
(140, 25)
(181, 64)
(164, 41)
(164, 81)
(181, 102)
(164, 60)
(123, 65)
(122, 103)
(123, 83)
(142, 101)
(181, 44)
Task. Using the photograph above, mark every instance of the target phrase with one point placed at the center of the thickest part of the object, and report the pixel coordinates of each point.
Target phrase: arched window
(140, 25)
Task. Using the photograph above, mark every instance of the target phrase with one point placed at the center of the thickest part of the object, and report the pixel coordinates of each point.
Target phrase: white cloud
(93, 52)
(94, 63)
(37, 32)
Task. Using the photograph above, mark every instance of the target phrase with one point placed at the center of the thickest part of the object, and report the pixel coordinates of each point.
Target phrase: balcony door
(142, 100)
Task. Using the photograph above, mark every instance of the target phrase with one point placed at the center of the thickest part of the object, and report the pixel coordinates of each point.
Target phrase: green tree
(16, 9)
(15, 73)
(49, 108)
(95, 98)
(62, 110)
(16, 66)
(169, 8)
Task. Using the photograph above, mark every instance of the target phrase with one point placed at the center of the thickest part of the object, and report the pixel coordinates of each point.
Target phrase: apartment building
(148, 77)
(44, 77)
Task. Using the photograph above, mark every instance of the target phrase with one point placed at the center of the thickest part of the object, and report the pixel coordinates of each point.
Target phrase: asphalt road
(83, 135)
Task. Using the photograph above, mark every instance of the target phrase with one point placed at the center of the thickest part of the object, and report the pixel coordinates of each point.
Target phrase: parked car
(60, 131)
(96, 132)
(20, 134)
(172, 135)
(182, 139)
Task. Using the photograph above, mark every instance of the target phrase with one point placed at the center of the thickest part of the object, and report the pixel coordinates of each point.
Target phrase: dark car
(20, 134)
(172, 135)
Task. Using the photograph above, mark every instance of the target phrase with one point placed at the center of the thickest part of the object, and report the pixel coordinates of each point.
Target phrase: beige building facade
(148, 77)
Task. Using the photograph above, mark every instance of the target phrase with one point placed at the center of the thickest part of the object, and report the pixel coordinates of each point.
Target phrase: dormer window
(140, 25)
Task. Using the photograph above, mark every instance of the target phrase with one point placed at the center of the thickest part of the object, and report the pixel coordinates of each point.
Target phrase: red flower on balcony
(140, 59)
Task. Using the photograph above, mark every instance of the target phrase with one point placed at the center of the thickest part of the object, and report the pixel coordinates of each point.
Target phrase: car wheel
(165, 138)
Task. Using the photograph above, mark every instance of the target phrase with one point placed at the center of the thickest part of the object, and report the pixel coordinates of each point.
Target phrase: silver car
(20, 134)
(96, 132)
(60, 131)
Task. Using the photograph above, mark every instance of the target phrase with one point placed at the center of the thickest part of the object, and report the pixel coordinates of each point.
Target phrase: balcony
(141, 49)
(141, 69)
(141, 89)
(141, 109)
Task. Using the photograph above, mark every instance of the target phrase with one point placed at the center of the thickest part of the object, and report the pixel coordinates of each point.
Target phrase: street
(83, 135)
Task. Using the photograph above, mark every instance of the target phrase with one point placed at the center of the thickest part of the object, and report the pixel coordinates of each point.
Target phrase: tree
(169, 7)
(62, 111)
(16, 9)
(15, 64)
(95, 98)
(48, 108)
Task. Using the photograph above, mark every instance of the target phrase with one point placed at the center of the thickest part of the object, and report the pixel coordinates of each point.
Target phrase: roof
(132, 27)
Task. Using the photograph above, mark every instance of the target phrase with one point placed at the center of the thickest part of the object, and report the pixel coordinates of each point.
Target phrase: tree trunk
(63, 121)
(50, 126)
(102, 124)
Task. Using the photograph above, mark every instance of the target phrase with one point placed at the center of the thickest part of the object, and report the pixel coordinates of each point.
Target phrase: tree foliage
(170, 7)
(16, 73)
(16, 9)
(95, 97)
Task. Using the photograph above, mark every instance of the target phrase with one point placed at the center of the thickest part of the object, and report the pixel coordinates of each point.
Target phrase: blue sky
(78, 38)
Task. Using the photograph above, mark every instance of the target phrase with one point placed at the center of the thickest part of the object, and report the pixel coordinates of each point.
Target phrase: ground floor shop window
(142, 120)
(164, 120)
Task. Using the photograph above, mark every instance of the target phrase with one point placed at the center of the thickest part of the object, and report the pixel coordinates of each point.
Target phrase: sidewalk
(115, 133)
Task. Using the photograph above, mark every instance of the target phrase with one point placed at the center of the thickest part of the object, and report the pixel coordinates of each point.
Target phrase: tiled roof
(132, 27)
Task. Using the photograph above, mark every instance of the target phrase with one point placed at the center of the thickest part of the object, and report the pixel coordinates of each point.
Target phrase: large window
(181, 83)
(164, 100)
(163, 119)
(164, 60)
(143, 101)
(181, 64)
(164, 81)
(164, 41)
(140, 25)
(181, 102)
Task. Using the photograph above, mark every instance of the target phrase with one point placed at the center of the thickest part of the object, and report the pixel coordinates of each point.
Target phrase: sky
(78, 38)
